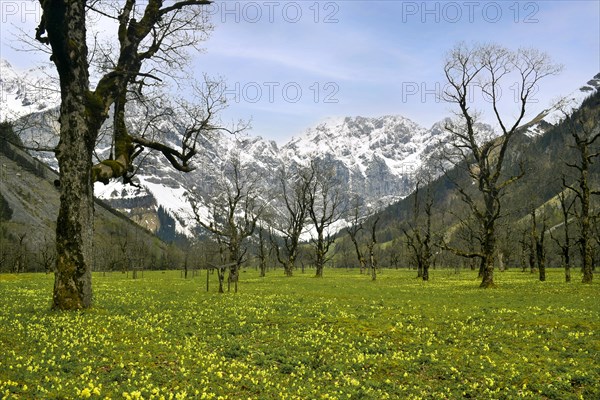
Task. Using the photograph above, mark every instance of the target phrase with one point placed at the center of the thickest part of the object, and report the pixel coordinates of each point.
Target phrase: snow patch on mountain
(391, 143)
(556, 112)
(23, 92)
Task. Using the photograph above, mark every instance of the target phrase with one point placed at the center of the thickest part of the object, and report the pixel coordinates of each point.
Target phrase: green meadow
(339, 337)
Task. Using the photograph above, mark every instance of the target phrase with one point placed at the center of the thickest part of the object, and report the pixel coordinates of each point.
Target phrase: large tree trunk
(419, 269)
(425, 273)
(65, 26)
(289, 266)
(319, 273)
(74, 228)
(492, 209)
(487, 280)
(487, 263)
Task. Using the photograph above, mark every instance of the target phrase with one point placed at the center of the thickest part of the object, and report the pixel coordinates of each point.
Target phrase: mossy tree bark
(64, 24)
(353, 232)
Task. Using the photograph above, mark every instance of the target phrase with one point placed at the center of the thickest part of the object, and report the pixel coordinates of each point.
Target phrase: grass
(340, 337)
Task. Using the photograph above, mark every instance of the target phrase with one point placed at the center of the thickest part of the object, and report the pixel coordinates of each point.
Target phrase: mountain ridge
(376, 158)
(29, 203)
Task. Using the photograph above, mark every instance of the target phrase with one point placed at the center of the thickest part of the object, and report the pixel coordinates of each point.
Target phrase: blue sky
(291, 64)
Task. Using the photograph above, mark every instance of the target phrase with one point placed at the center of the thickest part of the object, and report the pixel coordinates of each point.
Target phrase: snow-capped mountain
(553, 114)
(377, 159)
(26, 92)
(374, 158)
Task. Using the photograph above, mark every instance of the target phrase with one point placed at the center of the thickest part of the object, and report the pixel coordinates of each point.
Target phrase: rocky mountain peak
(376, 158)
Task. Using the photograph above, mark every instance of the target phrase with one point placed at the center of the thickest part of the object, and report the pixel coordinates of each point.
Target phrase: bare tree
(47, 255)
(537, 243)
(394, 253)
(221, 248)
(344, 250)
(21, 254)
(419, 237)
(363, 219)
(124, 243)
(153, 34)
(290, 225)
(236, 208)
(371, 246)
(356, 226)
(324, 210)
(584, 126)
(264, 251)
(566, 205)
(482, 156)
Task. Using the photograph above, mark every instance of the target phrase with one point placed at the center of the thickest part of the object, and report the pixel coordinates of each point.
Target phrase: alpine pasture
(339, 337)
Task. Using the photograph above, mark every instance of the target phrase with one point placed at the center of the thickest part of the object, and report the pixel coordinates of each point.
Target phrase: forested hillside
(28, 209)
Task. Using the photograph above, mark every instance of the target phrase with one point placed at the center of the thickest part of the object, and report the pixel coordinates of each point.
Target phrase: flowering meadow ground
(339, 337)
